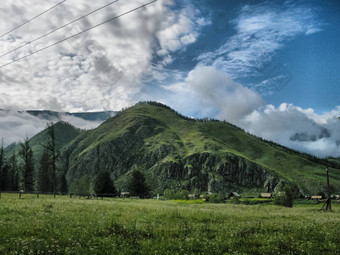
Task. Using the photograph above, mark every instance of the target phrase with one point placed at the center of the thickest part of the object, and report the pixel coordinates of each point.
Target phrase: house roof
(234, 193)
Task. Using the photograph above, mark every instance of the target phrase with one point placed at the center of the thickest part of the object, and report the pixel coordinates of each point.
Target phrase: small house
(204, 198)
(234, 195)
(266, 195)
(316, 197)
(125, 194)
(191, 196)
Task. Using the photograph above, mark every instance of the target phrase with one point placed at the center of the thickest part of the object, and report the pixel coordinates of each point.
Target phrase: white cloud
(207, 92)
(297, 128)
(16, 126)
(261, 30)
(180, 29)
(102, 69)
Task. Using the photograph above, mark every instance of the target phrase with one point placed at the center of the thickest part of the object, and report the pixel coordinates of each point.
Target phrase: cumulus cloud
(260, 31)
(297, 128)
(180, 29)
(99, 70)
(207, 92)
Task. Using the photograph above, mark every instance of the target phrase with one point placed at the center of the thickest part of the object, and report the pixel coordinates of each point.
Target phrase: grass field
(124, 226)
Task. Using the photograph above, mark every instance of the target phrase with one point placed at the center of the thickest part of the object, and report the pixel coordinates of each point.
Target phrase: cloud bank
(294, 127)
(16, 126)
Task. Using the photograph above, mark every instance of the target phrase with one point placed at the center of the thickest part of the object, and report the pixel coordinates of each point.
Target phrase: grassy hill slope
(178, 152)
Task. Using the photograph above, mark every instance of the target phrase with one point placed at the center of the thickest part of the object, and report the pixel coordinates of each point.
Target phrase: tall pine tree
(44, 175)
(26, 155)
(54, 154)
(13, 174)
(104, 184)
(137, 185)
(2, 180)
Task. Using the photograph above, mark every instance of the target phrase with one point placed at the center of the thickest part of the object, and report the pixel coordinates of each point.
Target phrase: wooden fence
(80, 195)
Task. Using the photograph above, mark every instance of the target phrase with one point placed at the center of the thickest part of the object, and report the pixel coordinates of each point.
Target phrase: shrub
(169, 194)
(184, 194)
(284, 197)
(216, 198)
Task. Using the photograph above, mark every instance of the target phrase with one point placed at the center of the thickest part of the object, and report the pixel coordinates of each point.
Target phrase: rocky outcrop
(215, 173)
(166, 168)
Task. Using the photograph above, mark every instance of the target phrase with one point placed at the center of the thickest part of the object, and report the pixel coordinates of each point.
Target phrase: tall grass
(125, 226)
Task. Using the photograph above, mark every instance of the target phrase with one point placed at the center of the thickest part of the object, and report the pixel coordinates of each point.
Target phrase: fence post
(19, 194)
(38, 195)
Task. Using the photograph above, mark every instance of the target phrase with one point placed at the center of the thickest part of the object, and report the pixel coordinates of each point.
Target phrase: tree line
(18, 171)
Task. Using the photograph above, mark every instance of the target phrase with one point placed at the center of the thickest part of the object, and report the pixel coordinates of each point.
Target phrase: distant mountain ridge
(91, 116)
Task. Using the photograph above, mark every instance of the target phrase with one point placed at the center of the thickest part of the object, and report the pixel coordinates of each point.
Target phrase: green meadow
(62, 225)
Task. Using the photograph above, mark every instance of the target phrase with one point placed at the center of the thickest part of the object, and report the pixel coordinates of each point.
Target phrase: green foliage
(184, 194)
(13, 178)
(2, 174)
(26, 155)
(137, 185)
(104, 184)
(169, 194)
(284, 197)
(44, 175)
(82, 186)
(64, 133)
(63, 184)
(217, 198)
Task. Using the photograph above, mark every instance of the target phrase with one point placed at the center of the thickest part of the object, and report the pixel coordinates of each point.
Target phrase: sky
(270, 67)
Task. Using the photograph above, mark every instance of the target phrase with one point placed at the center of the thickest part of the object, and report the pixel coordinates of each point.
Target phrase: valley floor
(124, 226)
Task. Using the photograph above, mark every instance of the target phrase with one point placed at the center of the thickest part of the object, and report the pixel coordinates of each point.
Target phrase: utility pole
(328, 202)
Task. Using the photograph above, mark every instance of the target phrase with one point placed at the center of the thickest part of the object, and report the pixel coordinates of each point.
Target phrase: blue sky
(308, 53)
(270, 67)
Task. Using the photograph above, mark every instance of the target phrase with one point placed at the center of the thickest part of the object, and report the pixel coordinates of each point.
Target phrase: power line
(75, 35)
(32, 19)
(57, 29)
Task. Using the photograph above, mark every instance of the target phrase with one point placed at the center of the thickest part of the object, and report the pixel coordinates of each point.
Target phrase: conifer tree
(26, 155)
(44, 177)
(137, 185)
(53, 155)
(1, 167)
(13, 174)
(104, 184)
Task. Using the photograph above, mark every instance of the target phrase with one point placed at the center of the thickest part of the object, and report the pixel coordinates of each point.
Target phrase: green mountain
(64, 133)
(177, 152)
